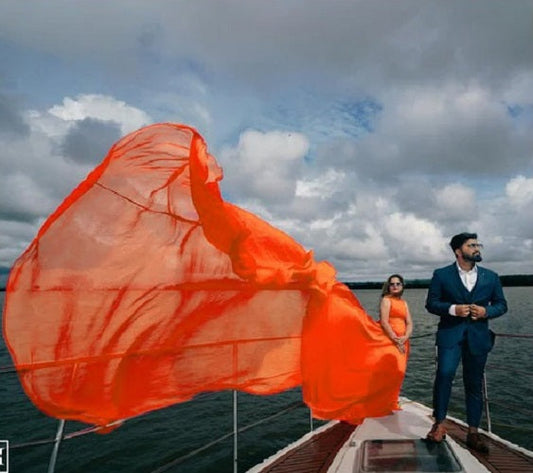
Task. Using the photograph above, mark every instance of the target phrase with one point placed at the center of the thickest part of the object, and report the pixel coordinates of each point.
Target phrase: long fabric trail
(145, 288)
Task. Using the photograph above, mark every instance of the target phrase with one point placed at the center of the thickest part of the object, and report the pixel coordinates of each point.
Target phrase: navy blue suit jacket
(446, 288)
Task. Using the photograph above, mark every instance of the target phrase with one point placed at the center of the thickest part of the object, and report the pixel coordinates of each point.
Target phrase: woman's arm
(408, 324)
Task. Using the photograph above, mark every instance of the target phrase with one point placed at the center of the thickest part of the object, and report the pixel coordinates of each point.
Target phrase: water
(150, 441)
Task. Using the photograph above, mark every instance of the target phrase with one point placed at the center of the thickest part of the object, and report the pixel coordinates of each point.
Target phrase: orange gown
(398, 315)
(398, 321)
(145, 288)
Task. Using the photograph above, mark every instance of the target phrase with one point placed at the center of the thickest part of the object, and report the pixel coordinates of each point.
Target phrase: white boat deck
(412, 422)
(338, 448)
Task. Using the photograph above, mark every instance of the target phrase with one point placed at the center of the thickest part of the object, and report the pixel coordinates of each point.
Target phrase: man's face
(471, 251)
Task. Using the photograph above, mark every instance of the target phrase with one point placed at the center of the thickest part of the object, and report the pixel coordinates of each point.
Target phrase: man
(465, 296)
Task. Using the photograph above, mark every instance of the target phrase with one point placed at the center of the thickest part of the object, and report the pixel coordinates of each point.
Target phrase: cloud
(369, 131)
(321, 187)
(456, 131)
(264, 166)
(415, 240)
(89, 139)
(103, 108)
(519, 191)
(11, 120)
(22, 199)
(14, 239)
(456, 202)
(38, 169)
(346, 41)
(517, 210)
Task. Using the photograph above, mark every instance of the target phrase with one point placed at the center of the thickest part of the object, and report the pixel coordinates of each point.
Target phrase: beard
(476, 258)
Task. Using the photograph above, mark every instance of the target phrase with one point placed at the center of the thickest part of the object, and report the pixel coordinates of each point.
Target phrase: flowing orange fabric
(145, 288)
(350, 368)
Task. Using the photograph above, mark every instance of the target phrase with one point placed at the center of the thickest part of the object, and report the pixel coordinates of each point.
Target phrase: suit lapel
(480, 279)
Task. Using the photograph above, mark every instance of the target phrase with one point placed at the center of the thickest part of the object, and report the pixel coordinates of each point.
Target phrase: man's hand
(462, 310)
(477, 312)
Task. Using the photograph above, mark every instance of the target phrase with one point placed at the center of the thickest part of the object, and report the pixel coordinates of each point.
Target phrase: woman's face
(395, 286)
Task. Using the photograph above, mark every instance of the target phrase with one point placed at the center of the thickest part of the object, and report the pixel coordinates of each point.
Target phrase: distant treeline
(413, 283)
(507, 281)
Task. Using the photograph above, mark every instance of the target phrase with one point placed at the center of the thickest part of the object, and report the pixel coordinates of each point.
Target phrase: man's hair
(458, 240)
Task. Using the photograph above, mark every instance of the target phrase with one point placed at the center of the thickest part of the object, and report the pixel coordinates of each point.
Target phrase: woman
(394, 315)
(395, 319)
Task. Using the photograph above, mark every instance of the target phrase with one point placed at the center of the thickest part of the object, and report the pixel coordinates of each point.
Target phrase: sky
(370, 131)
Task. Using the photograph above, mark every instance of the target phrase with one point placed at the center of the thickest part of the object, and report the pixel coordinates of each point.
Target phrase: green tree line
(512, 280)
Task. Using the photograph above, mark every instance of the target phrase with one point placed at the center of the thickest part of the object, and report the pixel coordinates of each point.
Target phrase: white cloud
(414, 239)
(323, 186)
(519, 191)
(103, 108)
(456, 201)
(264, 166)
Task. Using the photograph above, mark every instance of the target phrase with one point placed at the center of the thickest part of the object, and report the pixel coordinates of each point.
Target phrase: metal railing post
(486, 400)
(59, 437)
(235, 433)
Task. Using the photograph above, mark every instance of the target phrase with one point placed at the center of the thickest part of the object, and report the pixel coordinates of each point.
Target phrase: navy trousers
(473, 368)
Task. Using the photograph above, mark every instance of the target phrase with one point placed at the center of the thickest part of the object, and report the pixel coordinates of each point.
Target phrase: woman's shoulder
(392, 300)
(397, 301)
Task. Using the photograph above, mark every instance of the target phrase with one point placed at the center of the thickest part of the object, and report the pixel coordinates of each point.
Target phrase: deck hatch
(408, 455)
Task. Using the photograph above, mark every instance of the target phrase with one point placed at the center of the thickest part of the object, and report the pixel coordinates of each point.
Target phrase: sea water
(151, 441)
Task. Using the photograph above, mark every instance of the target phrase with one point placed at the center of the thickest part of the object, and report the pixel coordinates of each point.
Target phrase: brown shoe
(475, 442)
(437, 433)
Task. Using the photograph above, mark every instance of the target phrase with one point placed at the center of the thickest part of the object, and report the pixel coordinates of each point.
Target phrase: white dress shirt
(468, 279)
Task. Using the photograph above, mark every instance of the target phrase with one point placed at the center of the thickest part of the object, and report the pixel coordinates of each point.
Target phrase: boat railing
(62, 436)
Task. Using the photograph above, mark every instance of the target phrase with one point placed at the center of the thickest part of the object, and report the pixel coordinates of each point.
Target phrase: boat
(395, 443)
(387, 444)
